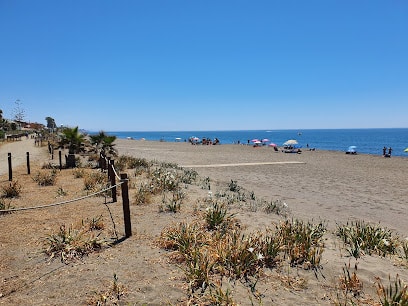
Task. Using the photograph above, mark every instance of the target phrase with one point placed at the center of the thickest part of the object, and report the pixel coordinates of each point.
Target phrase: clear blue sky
(206, 65)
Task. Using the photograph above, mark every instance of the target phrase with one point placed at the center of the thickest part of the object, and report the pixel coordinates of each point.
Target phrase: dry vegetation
(195, 242)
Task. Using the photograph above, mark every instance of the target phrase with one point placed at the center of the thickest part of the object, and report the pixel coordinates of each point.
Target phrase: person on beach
(389, 151)
(384, 151)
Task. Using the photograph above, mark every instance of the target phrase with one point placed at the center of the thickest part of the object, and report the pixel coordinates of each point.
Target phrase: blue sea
(368, 141)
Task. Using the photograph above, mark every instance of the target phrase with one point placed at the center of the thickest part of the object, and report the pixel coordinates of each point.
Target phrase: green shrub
(143, 195)
(46, 178)
(362, 237)
(48, 166)
(302, 242)
(61, 192)
(216, 214)
(12, 190)
(174, 204)
(95, 181)
(129, 162)
(164, 180)
(71, 243)
(5, 206)
(134, 163)
(78, 172)
(94, 224)
(395, 294)
(278, 207)
(189, 176)
(182, 237)
(233, 186)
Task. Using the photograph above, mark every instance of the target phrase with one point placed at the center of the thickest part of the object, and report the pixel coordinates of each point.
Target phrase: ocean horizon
(368, 141)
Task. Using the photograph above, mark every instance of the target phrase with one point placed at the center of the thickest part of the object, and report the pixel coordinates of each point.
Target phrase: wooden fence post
(28, 163)
(103, 162)
(108, 167)
(100, 161)
(125, 202)
(60, 159)
(9, 166)
(113, 180)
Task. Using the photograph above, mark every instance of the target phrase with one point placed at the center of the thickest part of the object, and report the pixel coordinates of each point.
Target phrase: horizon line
(240, 130)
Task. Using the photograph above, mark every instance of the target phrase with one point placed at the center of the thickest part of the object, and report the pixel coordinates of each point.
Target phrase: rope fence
(58, 203)
(116, 174)
(104, 163)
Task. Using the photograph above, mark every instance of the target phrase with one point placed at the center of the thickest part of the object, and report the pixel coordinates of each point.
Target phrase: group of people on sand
(385, 154)
(204, 141)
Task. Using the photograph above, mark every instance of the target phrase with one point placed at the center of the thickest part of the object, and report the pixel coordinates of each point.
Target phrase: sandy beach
(315, 185)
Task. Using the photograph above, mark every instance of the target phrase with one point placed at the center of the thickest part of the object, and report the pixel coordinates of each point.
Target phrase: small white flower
(251, 250)
(285, 205)
(208, 209)
(386, 242)
(260, 256)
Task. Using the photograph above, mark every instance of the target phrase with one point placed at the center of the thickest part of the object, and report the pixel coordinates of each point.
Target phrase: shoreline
(368, 141)
(121, 140)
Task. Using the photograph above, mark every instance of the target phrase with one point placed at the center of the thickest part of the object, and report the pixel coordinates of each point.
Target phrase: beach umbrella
(272, 144)
(352, 149)
(290, 142)
(406, 150)
(257, 143)
(265, 140)
(255, 140)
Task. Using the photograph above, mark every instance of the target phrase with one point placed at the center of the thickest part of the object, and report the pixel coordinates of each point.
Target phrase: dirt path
(18, 150)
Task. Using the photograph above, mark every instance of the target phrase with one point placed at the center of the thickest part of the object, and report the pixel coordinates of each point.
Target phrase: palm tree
(1, 119)
(104, 142)
(72, 138)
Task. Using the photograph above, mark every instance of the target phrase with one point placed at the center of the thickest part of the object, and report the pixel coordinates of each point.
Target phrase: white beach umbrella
(290, 142)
